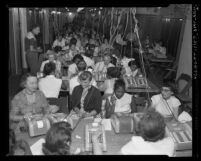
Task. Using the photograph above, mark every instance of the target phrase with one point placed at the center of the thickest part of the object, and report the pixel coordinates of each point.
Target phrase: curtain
(170, 35)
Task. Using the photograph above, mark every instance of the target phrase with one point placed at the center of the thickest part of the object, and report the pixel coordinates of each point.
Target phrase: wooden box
(89, 130)
(38, 126)
(135, 82)
(181, 134)
(122, 124)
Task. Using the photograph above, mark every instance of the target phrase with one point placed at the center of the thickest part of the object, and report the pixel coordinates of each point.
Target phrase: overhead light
(58, 12)
(53, 12)
(99, 12)
(70, 13)
(180, 19)
(79, 9)
(101, 7)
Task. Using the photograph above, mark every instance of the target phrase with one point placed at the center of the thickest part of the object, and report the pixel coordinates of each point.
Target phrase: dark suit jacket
(92, 101)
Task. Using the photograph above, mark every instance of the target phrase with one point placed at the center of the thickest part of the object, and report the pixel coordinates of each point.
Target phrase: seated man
(165, 103)
(74, 81)
(86, 99)
(152, 139)
(103, 65)
(120, 102)
(51, 58)
(72, 69)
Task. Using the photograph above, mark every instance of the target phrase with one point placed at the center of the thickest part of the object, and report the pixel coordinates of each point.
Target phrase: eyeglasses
(165, 90)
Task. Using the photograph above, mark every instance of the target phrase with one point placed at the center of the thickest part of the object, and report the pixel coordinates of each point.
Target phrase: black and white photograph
(101, 80)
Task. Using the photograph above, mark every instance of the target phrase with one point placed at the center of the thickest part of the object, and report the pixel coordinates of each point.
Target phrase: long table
(152, 87)
(114, 141)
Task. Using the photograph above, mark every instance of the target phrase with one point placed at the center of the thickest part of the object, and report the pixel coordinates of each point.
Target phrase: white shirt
(59, 43)
(130, 72)
(58, 65)
(109, 86)
(88, 61)
(100, 67)
(50, 86)
(72, 53)
(161, 105)
(75, 82)
(123, 104)
(138, 146)
(72, 69)
(125, 61)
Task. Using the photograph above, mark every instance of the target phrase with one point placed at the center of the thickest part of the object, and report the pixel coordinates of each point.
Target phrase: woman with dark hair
(58, 139)
(32, 49)
(152, 139)
(166, 103)
(29, 101)
(133, 68)
(119, 102)
(112, 74)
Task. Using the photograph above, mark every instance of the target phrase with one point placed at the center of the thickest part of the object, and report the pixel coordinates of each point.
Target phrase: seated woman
(60, 41)
(50, 85)
(86, 99)
(51, 58)
(29, 101)
(73, 49)
(152, 139)
(133, 69)
(119, 102)
(105, 45)
(74, 81)
(72, 69)
(166, 103)
(159, 49)
(58, 139)
(103, 65)
(108, 86)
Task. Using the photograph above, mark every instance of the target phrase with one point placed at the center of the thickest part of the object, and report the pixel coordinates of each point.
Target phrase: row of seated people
(86, 101)
(152, 140)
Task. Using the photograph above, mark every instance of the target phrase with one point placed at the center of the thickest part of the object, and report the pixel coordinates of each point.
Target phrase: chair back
(188, 79)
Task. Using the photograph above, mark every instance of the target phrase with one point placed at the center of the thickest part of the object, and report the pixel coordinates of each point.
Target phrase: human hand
(96, 135)
(76, 109)
(28, 115)
(53, 108)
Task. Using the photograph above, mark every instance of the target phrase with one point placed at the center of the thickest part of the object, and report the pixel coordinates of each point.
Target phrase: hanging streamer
(140, 50)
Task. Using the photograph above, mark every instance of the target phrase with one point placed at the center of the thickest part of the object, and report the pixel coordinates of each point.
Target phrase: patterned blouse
(20, 105)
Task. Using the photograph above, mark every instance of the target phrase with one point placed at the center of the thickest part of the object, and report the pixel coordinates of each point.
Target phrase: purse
(37, 125)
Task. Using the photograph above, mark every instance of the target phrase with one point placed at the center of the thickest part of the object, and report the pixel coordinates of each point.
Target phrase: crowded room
(101, 80)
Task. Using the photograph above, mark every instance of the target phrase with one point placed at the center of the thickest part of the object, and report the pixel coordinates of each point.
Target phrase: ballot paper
(107, 124)
(36, 148)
